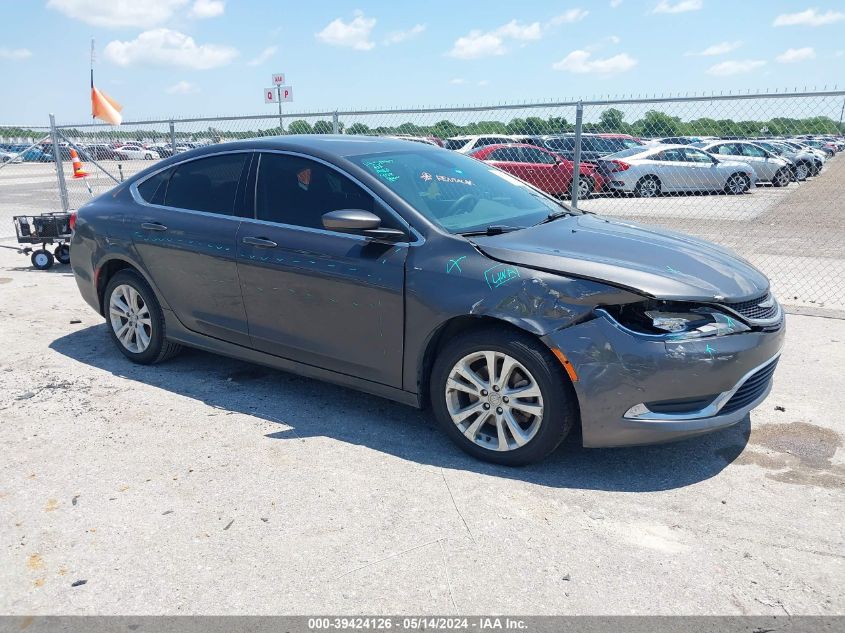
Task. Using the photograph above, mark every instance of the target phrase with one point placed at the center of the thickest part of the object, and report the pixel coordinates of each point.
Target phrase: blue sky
(215, 57)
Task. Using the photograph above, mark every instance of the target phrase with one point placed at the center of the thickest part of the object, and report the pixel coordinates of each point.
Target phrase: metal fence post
(172, 136)
(60, 172)
(576, 158)
(335, 123)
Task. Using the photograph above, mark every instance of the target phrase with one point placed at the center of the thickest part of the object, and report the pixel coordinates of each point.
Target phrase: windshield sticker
(426, 176)
(454, 263)
(499, 275)
(303, 178)
(460, 181)
(382, 169)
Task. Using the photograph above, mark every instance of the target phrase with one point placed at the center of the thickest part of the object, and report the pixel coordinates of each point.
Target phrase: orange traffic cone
(78, 172)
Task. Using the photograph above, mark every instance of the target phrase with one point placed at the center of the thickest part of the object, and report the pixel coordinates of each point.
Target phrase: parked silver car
(768, 166)
(649, 171)
(805, 163)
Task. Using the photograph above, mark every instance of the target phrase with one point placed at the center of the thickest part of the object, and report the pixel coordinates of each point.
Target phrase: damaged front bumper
(634, 389)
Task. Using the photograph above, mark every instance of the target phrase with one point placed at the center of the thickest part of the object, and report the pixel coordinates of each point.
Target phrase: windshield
(459, 193)
(631, 151)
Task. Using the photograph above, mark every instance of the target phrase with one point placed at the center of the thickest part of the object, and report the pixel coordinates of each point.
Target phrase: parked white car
(133, 152)
(468, 143)
(768, 166)
(648, 171)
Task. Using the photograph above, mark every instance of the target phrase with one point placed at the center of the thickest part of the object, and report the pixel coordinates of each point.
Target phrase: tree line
(653, 123)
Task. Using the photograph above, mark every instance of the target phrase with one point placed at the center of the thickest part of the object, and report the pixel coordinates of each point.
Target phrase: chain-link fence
(757, 173)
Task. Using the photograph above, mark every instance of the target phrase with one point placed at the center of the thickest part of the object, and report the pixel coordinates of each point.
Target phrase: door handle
(153, 226)
(260, 242)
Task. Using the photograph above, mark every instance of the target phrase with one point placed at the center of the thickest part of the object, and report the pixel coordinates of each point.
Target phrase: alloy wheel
(494, 400)
(736, 184)
(649, 188)
(130, 318)
(802, 171)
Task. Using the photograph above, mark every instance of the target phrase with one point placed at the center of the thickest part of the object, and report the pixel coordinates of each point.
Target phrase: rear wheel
(62, 253)
(135, 319)
(502, 396)
(782, 178)
(647, 187)
(585, 187)
(737, 184)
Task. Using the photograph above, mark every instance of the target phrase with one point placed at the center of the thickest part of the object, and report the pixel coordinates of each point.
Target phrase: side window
(207, 184)
(153, 188)
(531, 155)
(752, 150)
(298, 191)
(696, 156)
(508, 154)
(727, 149)
(561, 144)
(670, 154)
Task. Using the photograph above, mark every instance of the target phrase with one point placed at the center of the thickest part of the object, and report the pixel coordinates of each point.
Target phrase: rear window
(153, 188)
(631, 151)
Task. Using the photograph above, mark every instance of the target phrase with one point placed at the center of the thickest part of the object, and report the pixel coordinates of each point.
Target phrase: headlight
(673, 321)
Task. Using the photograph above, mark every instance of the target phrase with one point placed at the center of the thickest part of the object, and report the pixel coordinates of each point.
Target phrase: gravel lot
(207, 485)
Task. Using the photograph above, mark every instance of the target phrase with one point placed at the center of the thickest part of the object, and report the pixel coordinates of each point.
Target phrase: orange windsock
(105, 108)
(78, 172)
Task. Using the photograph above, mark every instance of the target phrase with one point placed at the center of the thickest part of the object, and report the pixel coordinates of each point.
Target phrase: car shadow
(310, 408)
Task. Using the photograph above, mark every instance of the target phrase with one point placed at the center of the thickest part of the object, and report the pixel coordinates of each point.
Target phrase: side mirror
(360, 222)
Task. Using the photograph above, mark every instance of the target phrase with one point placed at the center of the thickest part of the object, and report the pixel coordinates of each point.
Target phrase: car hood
(647, 260)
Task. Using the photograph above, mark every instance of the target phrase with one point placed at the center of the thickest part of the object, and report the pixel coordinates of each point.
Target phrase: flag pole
(92, 76)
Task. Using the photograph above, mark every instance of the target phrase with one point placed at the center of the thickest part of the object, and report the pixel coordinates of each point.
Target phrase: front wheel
(782, 178)
(737, 184)
(802, 171)
(502, 396)
(136, 322)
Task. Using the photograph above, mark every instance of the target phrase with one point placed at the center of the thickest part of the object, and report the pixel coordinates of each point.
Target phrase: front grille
(752, 311)
(751, 389)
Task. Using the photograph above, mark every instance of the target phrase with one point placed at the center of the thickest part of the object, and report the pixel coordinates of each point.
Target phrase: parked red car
(545, 170)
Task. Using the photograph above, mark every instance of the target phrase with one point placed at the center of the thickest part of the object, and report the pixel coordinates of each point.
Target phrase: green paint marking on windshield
(672, 270)
(381, 169)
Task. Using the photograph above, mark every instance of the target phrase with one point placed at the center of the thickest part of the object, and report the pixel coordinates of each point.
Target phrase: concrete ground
(207, 485)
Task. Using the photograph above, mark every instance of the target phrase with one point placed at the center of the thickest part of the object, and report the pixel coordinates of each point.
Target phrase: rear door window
(207, 184)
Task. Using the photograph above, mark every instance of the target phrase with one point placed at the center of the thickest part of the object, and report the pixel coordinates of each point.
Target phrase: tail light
(618, 165)
(72, 221)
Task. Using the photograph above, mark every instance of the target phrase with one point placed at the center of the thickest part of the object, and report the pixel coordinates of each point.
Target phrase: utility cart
(45, 229)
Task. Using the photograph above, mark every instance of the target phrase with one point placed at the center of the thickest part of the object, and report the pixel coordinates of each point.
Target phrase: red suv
(545, 170)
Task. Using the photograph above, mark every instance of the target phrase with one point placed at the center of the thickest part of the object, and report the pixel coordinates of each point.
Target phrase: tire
(150, 347)
(148, 156)
(62, 253)
(42, 259)
(556, 397)
(803, 170)
(737, 184)
(647, 187)
(586, 187)
(782, 178)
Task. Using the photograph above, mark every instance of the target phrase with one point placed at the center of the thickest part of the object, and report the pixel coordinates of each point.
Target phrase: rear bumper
(693, 387)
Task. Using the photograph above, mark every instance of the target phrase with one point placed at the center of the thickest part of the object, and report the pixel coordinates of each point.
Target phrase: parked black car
(425, 276)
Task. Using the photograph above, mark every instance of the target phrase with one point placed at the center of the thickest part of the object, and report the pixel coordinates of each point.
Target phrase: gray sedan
(649, 171)
(767, 166)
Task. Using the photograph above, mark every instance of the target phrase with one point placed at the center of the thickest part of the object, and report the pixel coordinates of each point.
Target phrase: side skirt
(179, 334)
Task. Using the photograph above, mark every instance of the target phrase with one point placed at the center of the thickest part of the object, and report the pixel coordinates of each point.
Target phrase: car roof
(343, 145)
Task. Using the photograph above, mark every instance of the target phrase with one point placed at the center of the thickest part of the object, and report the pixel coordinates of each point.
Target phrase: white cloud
(207, 9)
(118, 13)
(682, 6)
(515, 30)
(580, 62)
(400, 36)
(840, 54)
(457, 81)
(182, 88)
(615, 3)
(573, 15)
(735, 67)
(165, 47)
(810, 17)
(484, 82)
(15, 53)
(722, 48)
(477, 44)
(354, 34)
(792, 55)
(263, 56)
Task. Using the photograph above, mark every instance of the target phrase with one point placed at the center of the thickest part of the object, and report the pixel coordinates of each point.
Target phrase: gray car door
(329, 299)
(184, 232)
(758, 158)
(672, 170)
(707, 175)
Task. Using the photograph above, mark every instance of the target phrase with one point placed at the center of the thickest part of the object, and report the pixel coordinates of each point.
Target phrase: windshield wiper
(493, 229)
(554, 215)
